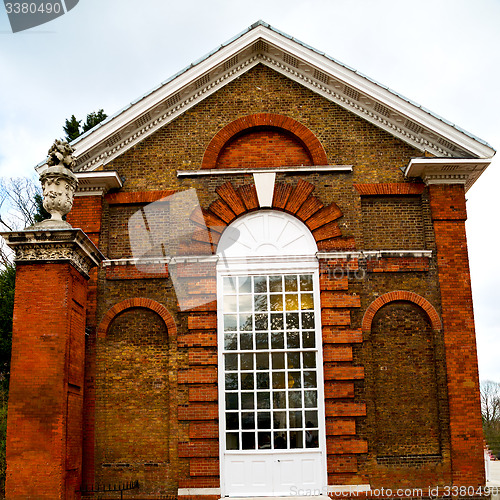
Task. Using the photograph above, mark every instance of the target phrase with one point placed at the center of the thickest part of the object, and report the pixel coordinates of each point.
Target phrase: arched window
(271, 378)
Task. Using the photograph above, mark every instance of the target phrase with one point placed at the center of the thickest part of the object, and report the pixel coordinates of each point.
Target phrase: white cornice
(319, 73)
(447, 171)
(97, 183)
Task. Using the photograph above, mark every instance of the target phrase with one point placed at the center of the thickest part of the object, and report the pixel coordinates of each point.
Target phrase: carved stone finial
(59, 185)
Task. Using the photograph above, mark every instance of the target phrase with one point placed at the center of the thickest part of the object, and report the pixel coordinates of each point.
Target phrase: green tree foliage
(7, 287)
(72, 125)
(490, 411)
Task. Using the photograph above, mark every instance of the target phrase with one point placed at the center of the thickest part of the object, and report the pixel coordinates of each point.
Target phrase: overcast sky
(443, 54)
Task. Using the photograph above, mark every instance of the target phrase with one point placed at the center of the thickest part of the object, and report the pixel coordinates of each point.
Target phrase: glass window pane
(232, 441)
(292, 340)
(244, 284)
(231, 361)
(295, 399)
(260, 284)
(279, 400)
(311, 418)
(278, 360)
(276, 302)
(246, 381)
(309, 359)
(279, 420)
(278, 380)
(248, 441)
(246, 322)
(230, 341)
(263, 400)
(260, 303)
(308, 340)
(245, 302)
(261, 321)
(291, 283)
(296, 439)
(229, 322)
(229, 285)
(310, 379)
(246, 361)
(280, 440)
(277, 321)
(293, 359)
(292, 321)
(294, 381)
(231, 381)
(306, 282)
(248, 420)
(262, 380)
(264, 440)
(262, 361)
(312, 439)
(262, 340)
(275, 283)
(292, 302)
(246, 341)
(277, 340)
(295, 419)
(231, 401)
(230, 303)
(247, 402)
(311, 399)
(308, 320)
(232, 421)
(306, 301)
(264, 420)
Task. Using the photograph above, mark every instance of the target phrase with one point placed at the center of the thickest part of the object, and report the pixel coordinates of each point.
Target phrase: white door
(271, 386)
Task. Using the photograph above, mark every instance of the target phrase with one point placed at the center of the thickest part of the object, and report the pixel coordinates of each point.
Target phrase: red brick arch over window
(246, 123)
(400, 295)
(137, 302)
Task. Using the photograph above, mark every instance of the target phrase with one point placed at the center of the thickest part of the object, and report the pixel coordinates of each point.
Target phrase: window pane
(248, 440)
(261, 321)
(308, 320)
(229, 285)
(306, 282)
(277, 321)
(246, 322)
(310, 379)
(247, 381)
(245, 302)
(311, 399)
(231, 381)
(275, 283)
(264, 440)
(293, 359)
(262, 341)
(292, 321)
(247, 420)
(309, 359)
(230, 341)
(291, 283)
(292, 340)
(262, 380)
(277, 340)
(264, 420)
(278, 380)
(312, 439)
(276, 302)
(280, 440)
(306, 301)
(263, 400)
(308, 340)
(262, 361)
(246, 361)
(246, 341)
(294, 381)
(229, 322)
(279, 400)
(296, 439)
(311, 418)
(295, 399)
(260, 303)
(292, 301)
(232, 421)
(231, 401)
(244, 284)
(279, 420)
(230, 303)
(232, 441)
(231, 361)
(295, 419)
(247, 402)
(260, 284)
(278, 360)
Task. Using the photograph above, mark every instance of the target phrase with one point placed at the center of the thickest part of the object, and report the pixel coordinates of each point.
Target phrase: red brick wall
(449, 215)
(44, 432)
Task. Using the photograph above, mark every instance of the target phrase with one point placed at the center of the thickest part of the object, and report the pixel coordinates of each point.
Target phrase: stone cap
(54, 245)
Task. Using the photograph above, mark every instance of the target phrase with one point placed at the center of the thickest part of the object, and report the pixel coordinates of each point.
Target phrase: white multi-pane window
(270, 367)
(271, 406)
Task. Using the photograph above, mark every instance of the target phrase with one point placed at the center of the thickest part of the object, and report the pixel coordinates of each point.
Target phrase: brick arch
(137, 302)
(285, 123)
(400, 295)
(298, 200)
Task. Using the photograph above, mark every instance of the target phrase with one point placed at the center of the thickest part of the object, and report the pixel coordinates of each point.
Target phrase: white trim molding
(97, 183)
(447, 170)
(300, 170)
(197, 491)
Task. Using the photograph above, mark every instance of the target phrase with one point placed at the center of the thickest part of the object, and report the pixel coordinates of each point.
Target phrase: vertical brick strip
(449, 215)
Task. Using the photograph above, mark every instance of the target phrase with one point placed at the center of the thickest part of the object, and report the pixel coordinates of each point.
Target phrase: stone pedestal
(44, 428)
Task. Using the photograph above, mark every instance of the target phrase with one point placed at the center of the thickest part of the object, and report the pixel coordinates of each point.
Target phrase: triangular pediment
(262, 44)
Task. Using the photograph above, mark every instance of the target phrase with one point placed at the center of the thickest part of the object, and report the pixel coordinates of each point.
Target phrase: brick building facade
(283, 305)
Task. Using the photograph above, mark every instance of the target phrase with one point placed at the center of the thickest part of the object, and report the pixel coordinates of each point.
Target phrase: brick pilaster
(449, 215)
